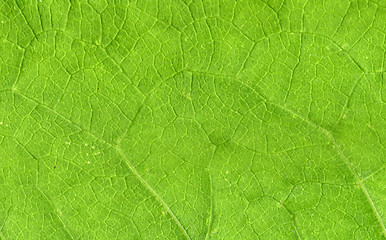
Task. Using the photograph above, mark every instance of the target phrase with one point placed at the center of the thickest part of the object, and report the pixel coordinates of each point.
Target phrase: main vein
(121, 153)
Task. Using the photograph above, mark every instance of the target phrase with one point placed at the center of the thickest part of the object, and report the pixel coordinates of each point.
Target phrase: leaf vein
(132, 168)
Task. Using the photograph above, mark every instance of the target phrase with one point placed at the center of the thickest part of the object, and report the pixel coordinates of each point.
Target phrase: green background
(189, 119)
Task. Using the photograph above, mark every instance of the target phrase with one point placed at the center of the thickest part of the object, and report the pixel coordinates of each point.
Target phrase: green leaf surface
(190, 119)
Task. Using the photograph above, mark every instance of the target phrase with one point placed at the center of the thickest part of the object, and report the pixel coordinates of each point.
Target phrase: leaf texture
(179, 119)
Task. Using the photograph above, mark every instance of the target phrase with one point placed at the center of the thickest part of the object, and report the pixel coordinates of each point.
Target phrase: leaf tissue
(192, 119)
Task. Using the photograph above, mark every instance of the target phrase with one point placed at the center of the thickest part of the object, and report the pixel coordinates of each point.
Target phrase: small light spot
(68, 143)
(97, 153)
(86, 154)
(6, 125)
(163, 212)
(86, 144)
(227, 172)
(88, 162)
(1, 123)
(93, 147)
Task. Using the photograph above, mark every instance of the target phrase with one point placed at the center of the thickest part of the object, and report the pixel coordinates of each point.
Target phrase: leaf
(192, 119)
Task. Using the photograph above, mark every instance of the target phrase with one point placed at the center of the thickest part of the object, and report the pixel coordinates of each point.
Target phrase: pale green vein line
(44, 195)
(351, 168)
(361, 185)
(20, 70)
(246, 59)
(25, 18)
(294, 69)
(349, 96)
(56, 213)
(60, 115)
(158, 197)
(345, 159)
(132, 168)
(336, 44)
(374, 173)
(296, 228)
(211, 207)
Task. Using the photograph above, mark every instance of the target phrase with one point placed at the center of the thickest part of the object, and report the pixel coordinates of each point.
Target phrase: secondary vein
(132, 168)
(158, 197)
